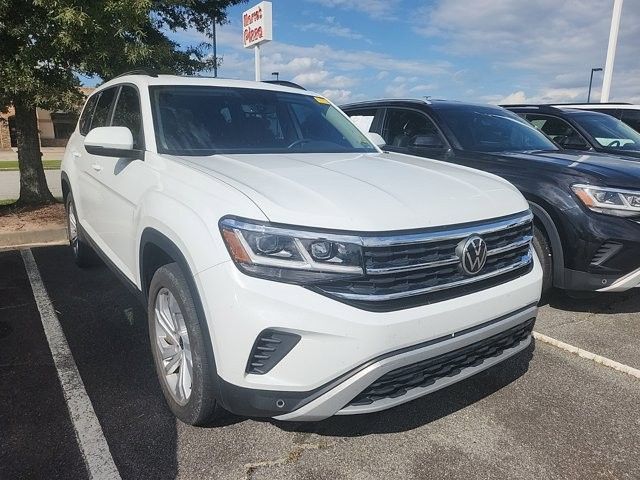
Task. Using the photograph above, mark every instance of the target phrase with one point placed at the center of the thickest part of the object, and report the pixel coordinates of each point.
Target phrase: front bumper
(342, 347)
(337, 400)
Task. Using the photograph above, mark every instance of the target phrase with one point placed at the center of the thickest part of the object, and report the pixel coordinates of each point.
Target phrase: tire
(83, 255)
(177, 342)
(543, 250)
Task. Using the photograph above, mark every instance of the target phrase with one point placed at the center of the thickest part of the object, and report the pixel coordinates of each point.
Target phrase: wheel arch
(157, 250)
(550, 229)
(66, 185)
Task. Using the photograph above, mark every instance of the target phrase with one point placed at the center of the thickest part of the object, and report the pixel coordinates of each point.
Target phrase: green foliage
(45, 43)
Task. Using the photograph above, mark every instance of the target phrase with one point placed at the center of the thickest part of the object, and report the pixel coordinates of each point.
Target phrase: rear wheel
(83, 255)
(178, 345)
(543, 250)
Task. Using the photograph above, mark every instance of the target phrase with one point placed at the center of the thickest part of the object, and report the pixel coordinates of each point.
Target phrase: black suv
(582, 129)
(586, 206)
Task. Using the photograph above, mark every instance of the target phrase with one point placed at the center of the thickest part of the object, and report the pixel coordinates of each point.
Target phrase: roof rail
(284, 83)
(591, 103)
(148, 73)
(543, 106)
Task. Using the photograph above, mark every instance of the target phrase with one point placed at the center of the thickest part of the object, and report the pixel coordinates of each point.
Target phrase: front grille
(411, 269)
(422, 374)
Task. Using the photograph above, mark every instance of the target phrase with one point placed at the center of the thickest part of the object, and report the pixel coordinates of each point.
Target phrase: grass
(7, 202)
(12, 165)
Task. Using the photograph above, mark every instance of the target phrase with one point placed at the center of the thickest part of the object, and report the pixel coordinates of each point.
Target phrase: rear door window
(364, 119)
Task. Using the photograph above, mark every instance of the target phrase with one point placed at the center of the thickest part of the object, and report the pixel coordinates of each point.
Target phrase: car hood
(611, 170)
(363, 192)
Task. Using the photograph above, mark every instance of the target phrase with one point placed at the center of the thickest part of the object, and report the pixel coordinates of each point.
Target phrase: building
(55, 127)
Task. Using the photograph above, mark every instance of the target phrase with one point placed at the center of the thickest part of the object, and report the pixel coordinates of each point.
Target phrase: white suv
(290, 268)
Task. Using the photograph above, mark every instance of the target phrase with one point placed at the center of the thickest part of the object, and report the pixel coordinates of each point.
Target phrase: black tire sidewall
(82, 256)
(543, 251)
(201, 403)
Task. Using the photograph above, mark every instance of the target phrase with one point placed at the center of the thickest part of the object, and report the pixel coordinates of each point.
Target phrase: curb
(49, 236)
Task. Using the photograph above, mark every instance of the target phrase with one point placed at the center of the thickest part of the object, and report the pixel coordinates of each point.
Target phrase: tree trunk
(33, 183)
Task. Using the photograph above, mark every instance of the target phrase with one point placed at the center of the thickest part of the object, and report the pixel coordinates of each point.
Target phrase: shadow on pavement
(611, 303)
(106, 328)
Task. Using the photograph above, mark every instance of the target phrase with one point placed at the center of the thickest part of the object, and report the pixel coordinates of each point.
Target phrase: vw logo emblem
(473, 254)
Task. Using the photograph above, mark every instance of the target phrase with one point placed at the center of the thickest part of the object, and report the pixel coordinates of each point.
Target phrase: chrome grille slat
(400, 267)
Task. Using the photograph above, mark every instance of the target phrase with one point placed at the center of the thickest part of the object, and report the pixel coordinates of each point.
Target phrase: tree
(45, 44)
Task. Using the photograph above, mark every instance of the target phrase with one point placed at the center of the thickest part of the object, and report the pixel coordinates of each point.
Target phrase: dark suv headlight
(290, 254)
(611, 201)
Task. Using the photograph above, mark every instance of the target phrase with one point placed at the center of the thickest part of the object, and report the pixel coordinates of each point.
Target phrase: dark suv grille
(422, 374)
(417, 268)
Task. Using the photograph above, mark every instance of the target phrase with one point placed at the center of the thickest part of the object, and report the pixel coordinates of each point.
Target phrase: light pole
(611, 50)
(215, 49)
(276, 74)
(591, 82)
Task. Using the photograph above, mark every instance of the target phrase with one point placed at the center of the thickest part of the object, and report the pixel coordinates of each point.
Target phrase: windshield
(208, 120)
(490, 129)
(610, 132)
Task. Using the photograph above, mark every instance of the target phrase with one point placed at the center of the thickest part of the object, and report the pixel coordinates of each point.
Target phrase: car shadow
(606, 303)
(424, 410)
(106, 329)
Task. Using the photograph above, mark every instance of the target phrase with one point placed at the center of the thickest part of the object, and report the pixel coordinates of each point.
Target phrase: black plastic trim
(557, 252)
(270, 347)
(114, 152)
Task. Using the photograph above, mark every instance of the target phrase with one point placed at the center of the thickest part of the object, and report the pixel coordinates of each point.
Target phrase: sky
(489, 51)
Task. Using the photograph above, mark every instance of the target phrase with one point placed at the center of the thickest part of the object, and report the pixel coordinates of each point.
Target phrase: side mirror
(427, 141)
(376, 139)
(111, 142)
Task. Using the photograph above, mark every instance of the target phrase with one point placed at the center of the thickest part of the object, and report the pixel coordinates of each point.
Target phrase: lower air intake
(421, 374)
(270, 347)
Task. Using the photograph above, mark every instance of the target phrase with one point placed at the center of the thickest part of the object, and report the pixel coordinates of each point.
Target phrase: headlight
(289, 254)
(612, 201)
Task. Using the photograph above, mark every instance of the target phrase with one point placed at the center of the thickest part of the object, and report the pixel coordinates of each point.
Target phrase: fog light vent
(270, 347)
(605, 252)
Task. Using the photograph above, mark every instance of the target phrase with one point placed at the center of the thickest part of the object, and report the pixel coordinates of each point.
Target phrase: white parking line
(93, 445)
(621, 367)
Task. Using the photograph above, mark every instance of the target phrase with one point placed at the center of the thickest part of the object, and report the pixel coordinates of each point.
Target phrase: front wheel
(178, 345)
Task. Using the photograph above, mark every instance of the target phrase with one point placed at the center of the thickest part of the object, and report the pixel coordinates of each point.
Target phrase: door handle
(75, 154)
(96, 166)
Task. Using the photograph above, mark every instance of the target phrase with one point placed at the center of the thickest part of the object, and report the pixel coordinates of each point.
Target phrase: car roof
(148, 80)
(549, 109)
(428, 103)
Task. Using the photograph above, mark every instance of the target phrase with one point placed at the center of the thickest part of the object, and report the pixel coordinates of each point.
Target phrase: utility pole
(611, 50)
(215, 49)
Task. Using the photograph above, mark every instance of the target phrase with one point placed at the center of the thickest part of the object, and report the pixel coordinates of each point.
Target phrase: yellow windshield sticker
(322, 100)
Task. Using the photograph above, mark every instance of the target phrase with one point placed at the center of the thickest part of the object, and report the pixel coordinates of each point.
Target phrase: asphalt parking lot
(546, 413)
